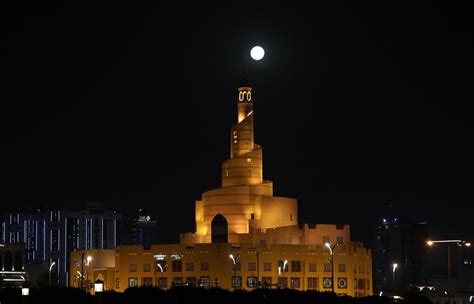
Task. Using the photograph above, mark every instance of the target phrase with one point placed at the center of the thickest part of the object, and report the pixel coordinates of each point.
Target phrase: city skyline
(121, 110)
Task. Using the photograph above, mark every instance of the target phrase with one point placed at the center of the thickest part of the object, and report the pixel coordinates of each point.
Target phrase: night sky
(358, 107)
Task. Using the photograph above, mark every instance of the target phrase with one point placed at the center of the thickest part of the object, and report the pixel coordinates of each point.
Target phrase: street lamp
(89, 259)
(431, 243)
(98, 291)
(394, 267)
(162, 269)
(331, 249)
(281, 269)
(234, 280)
(50, 268)
(25, 294)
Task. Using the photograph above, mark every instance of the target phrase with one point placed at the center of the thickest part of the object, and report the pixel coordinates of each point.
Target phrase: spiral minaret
(245, 200)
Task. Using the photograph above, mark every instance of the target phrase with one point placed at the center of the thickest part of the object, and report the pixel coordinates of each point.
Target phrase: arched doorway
(219, 229)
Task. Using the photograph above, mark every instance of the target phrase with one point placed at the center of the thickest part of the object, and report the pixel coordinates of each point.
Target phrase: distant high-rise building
(27, 228)
(50, 236)
(138, 229)
(402, 243)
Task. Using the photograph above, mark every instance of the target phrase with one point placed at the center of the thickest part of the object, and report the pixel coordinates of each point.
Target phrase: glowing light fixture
(98, 286)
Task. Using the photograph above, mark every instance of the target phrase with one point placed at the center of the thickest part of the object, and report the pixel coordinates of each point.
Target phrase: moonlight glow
(257, 52)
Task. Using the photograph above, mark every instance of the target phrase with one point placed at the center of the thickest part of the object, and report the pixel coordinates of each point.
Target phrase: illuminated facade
(245, 237)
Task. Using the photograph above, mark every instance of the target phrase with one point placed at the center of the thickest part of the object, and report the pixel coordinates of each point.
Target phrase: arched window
(219, 229)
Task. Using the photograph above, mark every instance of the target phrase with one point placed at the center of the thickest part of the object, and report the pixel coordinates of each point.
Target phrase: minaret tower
(245, 201)
(245, 164)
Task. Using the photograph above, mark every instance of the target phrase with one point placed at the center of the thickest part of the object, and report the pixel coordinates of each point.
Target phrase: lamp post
(50, 268)
(283, 270)
(394, 267)
(162, 269)
(98, 291)
(25, 294)
(89, 259)
(82, 270)
(234, 279)
(331, 249)
(431, 243)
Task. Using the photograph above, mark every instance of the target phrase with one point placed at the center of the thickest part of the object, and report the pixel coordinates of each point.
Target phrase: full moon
(257, 52)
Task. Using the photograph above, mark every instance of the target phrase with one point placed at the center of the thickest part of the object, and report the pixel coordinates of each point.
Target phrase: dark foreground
(192, 295)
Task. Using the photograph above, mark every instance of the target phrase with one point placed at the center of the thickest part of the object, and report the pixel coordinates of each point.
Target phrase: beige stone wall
(299, 235)
(212, 262)
(278, 212)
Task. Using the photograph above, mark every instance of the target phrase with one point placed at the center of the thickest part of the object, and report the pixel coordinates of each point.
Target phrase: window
(291, 216)
(133, 268)
(327, 267)
(361, 284)
(147, 281)
(237, 282)
(177, 281)
(342, 267)
(368, 284)
(312, 267)
(340, 240)
(177, 266)
(191, 281)
(205, 282)
(251, 282)
(147, 267)
(295, 283)
(252, 216)
(117, 283)
(263, 243)
(301, 240)
(204, 266)
(342, 283)
(296, 266)
(267, 266)
(189, 266)
(355, 283)
(249, 160)
(163, 282)
(238, 266)
(252, 266)
(132, 282)
(266, 281)
(282, 282)
(326, 239)
(327, 282)
(313, 283)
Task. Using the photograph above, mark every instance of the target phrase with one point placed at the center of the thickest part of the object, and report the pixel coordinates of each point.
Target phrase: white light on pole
(50, 268)
(394, 267)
